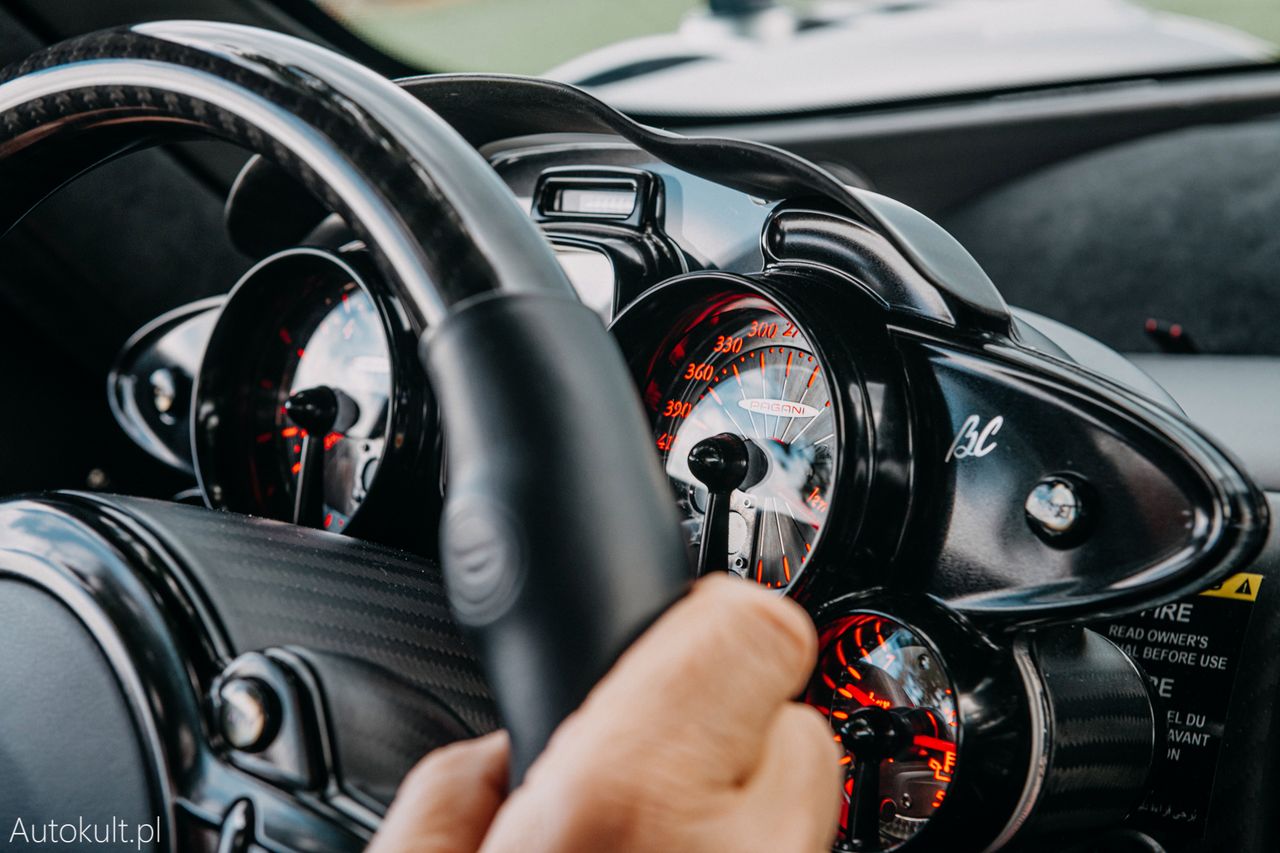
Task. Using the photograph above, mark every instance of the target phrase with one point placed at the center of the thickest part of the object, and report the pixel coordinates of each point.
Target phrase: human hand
(691, 742)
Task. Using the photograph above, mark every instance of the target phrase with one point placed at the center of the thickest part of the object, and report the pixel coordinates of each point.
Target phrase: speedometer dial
(749, 439)
(757, 390)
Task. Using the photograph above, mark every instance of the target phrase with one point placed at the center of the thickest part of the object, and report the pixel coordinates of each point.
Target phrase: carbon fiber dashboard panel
(271, 584)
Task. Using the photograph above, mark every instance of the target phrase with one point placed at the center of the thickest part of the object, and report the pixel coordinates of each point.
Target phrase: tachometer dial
(893, 709)
(300, 401)
(749, 438)
(333, 391)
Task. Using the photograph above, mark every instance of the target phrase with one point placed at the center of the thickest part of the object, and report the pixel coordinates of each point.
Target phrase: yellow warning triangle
(1240, 587)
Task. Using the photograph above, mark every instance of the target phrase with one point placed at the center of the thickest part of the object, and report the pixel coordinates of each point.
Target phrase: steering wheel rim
(479, 283)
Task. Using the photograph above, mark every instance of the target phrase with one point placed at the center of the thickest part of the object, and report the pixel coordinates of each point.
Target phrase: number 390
(677, 409)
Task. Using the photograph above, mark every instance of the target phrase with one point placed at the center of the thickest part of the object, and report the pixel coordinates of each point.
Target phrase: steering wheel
(551, 569)
(509, 349)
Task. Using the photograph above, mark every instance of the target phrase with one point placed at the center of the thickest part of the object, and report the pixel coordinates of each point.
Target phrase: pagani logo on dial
(778, 408)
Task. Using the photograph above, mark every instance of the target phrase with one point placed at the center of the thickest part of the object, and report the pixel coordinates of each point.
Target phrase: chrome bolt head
(246, 713)
(1055, 509)
(164, 390)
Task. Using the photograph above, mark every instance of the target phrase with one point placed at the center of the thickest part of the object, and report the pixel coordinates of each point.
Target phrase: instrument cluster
(322, 386)
(309, 406)
(926, 483)
(893, 709)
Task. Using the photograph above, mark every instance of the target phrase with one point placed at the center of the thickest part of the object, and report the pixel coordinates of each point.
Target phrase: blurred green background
(531, 36)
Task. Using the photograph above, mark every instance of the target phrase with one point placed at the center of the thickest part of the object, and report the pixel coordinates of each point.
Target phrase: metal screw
(164, 390)
(1054, 508)
(245, 713)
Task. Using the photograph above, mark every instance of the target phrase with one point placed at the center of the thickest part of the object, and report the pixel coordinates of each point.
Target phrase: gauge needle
(319, 411)
(870, 735)
(308, 496)
(720, 463)
(864, 806)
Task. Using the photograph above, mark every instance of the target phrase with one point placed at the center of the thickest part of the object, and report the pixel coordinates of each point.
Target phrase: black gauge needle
(308, 496)
(864, 806)
(870, 735)
(322, 409)
(318, 411)
(720, 463)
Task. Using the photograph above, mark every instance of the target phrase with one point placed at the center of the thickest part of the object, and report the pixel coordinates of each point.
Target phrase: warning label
(1241, 587)
(1188, 650)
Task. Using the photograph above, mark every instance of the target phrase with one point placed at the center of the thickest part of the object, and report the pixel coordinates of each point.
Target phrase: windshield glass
(764, 56)
(509, 36)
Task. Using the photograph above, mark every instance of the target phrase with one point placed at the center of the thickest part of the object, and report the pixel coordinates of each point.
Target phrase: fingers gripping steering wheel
(552, 568)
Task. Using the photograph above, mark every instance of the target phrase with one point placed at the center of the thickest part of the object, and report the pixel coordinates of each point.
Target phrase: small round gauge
(297, 404)
(748, 436)
(330, 400)
(892, 707)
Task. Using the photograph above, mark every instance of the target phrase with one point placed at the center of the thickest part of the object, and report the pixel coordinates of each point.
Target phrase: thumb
(446, 803)
(799, 759)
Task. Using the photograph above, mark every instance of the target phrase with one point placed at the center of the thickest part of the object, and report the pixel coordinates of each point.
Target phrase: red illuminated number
(816, 500)
(665, 441)
(791, 331)
(699, 371)
(728, 343)
(676, 409)
(763, 330)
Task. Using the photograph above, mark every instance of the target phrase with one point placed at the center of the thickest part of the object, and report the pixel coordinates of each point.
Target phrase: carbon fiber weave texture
(273, 584)
(454, 261)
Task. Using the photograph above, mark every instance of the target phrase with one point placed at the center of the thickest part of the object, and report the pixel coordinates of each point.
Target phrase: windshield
(763, 56)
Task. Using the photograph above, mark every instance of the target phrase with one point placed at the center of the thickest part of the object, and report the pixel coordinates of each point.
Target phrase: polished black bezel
(996, 744)
(849, 360)
(166, 436)
(226, 398)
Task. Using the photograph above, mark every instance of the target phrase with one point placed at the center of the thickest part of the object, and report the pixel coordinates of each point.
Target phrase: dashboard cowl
(1169, 511)
(487, 108)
